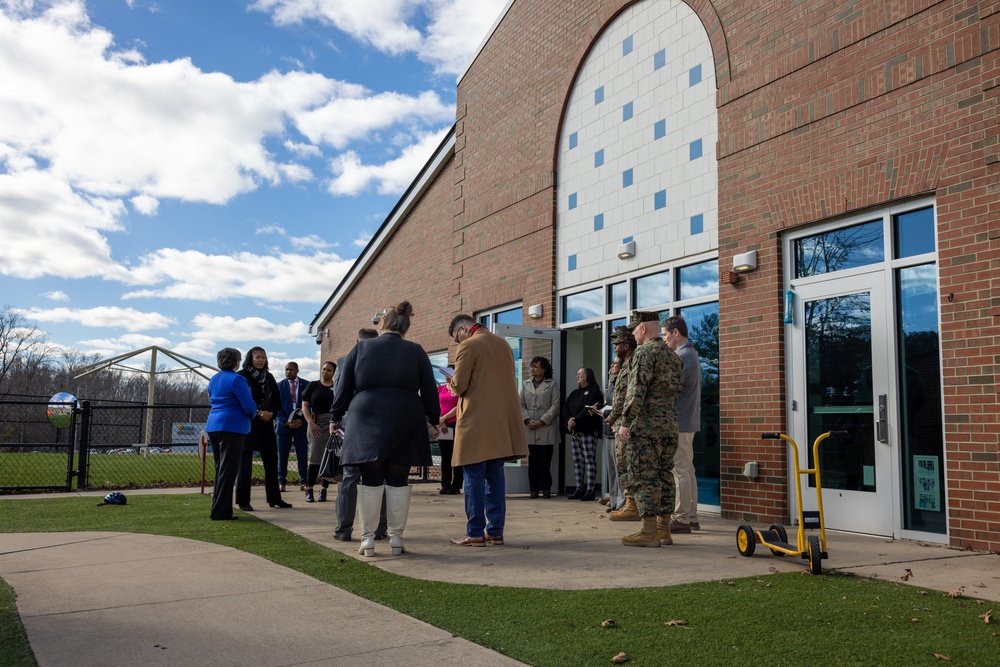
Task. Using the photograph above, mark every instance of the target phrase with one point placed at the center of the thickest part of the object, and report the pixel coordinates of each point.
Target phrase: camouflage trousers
(646, 471)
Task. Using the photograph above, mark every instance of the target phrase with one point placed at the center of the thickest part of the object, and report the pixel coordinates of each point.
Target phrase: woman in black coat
(261, 438)
(388, 385)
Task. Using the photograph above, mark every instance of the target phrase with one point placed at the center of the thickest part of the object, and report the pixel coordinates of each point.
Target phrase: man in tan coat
(489, 430)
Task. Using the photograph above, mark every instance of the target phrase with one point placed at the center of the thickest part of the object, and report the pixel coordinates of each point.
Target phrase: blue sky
(196, 174)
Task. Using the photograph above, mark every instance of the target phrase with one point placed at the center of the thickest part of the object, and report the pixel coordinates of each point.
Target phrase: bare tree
(23, 347)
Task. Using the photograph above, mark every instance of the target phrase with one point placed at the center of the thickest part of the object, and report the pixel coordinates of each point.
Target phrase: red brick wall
(832, 110)
(416, 265)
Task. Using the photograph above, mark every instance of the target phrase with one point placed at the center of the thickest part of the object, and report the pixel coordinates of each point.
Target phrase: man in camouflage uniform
(648, 429)
(624, 347)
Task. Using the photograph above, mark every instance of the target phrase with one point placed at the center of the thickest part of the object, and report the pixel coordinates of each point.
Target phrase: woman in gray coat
(540, 403)
(389, 386)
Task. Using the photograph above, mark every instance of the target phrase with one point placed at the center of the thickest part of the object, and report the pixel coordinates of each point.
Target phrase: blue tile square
(660, 200)
(659, 59)
(599, 158)
(697, 224)
(598, 222)
(694, 75)
(659, 129)
(573, 140)
(627, 45)
(696, 149)
(626, 111)
(599, 95)
(627, 239)
(572, 262)
(572, 201)
(626, 178)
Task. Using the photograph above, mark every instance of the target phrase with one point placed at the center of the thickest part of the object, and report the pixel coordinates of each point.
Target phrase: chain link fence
(102, 445)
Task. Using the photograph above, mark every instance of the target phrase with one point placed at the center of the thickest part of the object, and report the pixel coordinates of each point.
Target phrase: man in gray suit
(347, 489)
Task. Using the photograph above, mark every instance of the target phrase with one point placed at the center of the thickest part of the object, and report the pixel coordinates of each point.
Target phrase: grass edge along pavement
(774, 619)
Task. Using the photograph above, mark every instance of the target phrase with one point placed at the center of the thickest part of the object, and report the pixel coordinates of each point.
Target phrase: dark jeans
(227, 452)
(293, 438)
(540, 467)
(451, 477)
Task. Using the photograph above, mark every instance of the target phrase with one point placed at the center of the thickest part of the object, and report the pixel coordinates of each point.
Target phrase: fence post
(83, 461)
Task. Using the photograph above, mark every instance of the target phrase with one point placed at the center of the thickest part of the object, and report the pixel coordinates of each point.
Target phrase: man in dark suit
(347, 488)
(291, 427)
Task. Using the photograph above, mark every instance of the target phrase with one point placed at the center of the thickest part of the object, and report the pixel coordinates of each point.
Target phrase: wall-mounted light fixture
(626, 250)
(535, 312)
(746, 262)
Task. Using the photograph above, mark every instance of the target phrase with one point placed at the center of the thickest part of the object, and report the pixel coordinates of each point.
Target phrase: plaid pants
(584, 460)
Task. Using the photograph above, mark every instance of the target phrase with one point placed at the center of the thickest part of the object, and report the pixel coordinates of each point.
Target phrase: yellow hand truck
(775, 538)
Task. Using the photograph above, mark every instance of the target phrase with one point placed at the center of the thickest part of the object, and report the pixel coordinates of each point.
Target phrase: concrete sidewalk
(125, 599)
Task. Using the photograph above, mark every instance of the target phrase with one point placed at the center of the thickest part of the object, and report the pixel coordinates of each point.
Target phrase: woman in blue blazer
(228, 424)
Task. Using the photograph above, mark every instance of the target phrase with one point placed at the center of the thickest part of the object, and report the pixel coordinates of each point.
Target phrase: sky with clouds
(196, 174)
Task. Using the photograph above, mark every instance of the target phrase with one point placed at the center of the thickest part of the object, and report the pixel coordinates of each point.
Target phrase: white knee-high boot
(369, 508)
(397, 509)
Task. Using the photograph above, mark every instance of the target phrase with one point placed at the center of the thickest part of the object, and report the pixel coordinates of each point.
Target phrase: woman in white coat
(540, 404)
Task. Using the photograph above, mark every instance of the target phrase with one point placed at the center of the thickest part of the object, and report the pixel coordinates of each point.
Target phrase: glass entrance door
(841, 356)
(527, 343)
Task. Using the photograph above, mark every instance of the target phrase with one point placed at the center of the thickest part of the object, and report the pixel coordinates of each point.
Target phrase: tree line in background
(33, 368)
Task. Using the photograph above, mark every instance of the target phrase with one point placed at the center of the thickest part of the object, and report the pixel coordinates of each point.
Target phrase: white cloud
(444, 33)
(271, 229)
(351, 177)
(129, 319)
(112, 346)
(193, 275)
(145, 204)
(303, 150)
(311, 242)
(253, 330)
(56, 295)
(362, 240)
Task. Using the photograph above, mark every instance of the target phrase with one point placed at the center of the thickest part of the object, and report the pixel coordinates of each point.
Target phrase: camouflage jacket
(653, 386)
(618, 397)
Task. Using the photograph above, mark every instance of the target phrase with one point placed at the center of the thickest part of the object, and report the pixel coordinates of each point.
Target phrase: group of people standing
(385, 389)
(383, 399)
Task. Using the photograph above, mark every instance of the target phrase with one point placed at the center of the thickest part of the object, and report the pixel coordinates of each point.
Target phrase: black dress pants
(261, 440)
(451, 476)
(540, 467)
(227, 452)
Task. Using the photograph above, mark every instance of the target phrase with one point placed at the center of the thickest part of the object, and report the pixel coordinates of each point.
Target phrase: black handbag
(329, 466)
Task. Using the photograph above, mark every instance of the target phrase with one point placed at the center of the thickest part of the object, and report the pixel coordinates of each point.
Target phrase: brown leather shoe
(495, 541)
(469, 541)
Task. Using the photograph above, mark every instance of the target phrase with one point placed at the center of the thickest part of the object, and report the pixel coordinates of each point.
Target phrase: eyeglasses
(457, 332)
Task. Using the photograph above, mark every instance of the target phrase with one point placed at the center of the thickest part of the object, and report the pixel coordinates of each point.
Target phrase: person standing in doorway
(688, 409)
(290, 425)
(649, 430)
(540, 401)
(584, 428)
(490, 428)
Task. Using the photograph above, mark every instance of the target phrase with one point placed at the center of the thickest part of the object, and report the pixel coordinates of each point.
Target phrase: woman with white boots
(388, 385)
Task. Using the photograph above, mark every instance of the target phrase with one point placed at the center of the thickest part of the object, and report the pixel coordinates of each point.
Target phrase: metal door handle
(882, 425)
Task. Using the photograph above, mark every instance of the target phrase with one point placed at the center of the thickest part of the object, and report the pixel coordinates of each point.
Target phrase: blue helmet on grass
(114, 498)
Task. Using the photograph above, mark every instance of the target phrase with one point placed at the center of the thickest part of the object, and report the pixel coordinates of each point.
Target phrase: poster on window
(926, 484)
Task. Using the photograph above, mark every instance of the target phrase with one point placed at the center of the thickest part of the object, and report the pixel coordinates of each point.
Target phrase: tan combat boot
(663, 528)
(628, 511)
(648, 535)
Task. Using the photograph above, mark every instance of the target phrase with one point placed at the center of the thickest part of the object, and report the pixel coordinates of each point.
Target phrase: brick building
(613, 155)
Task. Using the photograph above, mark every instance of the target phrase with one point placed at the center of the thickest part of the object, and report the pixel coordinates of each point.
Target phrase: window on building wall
(698, 280)
(503, 315)
(583, 306)
(652, 290)
(617, 298)
(914, 233)
(840, 249)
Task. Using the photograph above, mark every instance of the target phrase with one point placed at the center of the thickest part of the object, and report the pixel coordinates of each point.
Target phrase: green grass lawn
(118, 471)
(780, 619)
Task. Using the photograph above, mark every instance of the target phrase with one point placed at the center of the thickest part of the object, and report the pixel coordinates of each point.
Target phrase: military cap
(622, 334)
(643, 316)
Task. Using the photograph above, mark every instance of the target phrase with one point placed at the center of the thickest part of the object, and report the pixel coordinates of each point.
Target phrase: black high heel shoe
(322, 495)
(281, 504)
(309, 496)
(246, 507)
